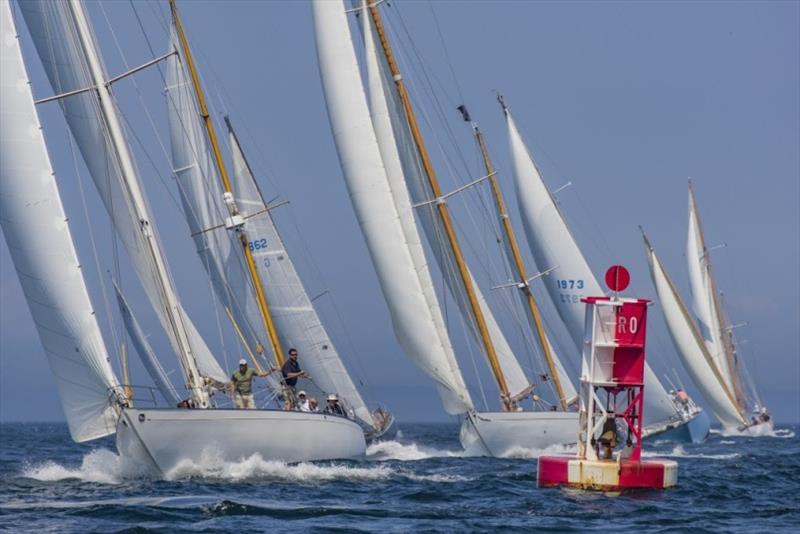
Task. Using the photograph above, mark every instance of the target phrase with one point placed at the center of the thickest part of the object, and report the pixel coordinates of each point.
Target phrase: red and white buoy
(612, 393)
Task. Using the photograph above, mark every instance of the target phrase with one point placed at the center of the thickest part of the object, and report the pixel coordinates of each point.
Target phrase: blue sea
(415, 480)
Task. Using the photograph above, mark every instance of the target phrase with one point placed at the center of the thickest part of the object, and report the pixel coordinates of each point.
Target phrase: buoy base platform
(606, 475)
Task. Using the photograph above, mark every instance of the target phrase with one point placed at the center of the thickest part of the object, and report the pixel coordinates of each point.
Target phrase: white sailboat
(43, 253)
(393, 188)
(555, 249)
(706, 346)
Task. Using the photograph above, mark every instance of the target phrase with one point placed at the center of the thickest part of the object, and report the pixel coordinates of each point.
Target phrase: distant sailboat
(555, 249)
(707, 347)
(394, 191)
(41, 247)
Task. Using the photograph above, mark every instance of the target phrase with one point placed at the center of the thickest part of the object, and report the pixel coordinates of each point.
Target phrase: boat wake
(527, 454)
(405, 452)
(679, 452)
(99, 466)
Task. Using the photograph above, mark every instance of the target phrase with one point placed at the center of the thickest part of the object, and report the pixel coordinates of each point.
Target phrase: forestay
(44, 256)
(66, 61)
(691, 347)
(402, 274)
(553, 247)
(296, 320)
(407, 177)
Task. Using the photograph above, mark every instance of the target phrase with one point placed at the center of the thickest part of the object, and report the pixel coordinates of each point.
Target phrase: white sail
(145, 352)
(41, 247)
(409, 185)
(703, 298)
(691, 347)
(201, 194)
(553, 247)
(296, 320)
(413, 315)
(62, 35)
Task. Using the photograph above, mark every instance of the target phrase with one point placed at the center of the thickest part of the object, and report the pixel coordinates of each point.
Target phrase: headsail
(295, 318)
(63, 37)
(691, 347)
(145, 352)
(42, 249)
(553, 247)
(382, 215)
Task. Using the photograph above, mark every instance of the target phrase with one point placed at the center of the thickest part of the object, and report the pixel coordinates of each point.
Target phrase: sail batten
(43, 252)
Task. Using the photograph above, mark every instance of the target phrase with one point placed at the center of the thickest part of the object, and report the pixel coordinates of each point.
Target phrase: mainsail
(44, 256)
(407, 178)
(691, 347)
(384, 216)
(553, 247)
(63, 37)
(295, 318)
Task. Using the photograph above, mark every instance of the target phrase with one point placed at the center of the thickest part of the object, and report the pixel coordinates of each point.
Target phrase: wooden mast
(516, 257)
(444, 213)
(261, 299)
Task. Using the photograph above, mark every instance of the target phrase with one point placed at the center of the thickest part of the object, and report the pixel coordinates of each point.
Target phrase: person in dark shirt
(291, 372)
(334, 407)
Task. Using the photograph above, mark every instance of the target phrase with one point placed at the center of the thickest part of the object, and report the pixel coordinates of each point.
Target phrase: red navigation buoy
(609, 456)
(617, 278)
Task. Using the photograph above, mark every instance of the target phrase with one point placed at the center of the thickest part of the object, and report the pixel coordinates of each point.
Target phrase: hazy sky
(623, 99)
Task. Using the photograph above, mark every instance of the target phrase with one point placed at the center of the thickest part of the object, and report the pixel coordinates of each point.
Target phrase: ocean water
(416, 480)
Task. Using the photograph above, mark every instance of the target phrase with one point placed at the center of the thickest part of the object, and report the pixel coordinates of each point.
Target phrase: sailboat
(555, 249)
(42, 248)
(394, 191)
(706, 346)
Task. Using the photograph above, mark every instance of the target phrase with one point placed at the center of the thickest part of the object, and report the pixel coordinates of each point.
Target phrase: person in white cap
(242, 385)
(302, 402)
(333, 407)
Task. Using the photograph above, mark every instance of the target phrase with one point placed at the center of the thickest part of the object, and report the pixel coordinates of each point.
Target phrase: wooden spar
(724, 335)
(126, 378)
(519, 265)
(261, 299)
(443, 212)
(243, 340)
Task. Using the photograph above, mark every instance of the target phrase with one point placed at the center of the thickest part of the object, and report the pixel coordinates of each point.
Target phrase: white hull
(161, 439)
(508, 433)
(763, 428)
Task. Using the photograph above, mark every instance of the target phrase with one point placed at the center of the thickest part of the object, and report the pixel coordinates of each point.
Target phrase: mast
(261, 299)
(442, 210)
(516, 259)
(173, 312)
(724, 333)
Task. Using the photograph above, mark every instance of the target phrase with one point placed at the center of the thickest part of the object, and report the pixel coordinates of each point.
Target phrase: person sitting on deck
(242, 385)
(313, 405)
(334, 407)
(291, 372)
(302, 402)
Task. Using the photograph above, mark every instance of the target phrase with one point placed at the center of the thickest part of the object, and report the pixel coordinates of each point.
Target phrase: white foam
(727, 442)
(101, 466)
(784, 433)
(680, 452)
(395, 450)
(525, 453)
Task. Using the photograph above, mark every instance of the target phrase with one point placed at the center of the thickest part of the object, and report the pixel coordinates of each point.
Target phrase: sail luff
(42, 250)
(375, 207)
(261, 298)
(443, 213)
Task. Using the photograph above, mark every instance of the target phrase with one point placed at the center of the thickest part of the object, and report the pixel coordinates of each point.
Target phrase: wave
(101, 466)
(395, 450)
(679, 452)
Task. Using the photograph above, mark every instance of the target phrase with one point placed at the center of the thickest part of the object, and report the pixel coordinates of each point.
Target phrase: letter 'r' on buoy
(617, 278)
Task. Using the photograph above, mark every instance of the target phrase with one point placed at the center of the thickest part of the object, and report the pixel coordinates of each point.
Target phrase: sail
(409, 185)
(402, 275)
(41, 247)
(553, 247)
(702, 289)
(201, 195)
(691, 347)
(70, 59)
(296, 320)
(145, 352)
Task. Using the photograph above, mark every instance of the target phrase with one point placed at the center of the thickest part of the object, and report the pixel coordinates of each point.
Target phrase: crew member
(291, 372)
(242, 385)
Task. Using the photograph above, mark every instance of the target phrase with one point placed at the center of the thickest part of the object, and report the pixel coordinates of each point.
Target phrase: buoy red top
(617, 278)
